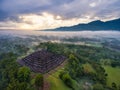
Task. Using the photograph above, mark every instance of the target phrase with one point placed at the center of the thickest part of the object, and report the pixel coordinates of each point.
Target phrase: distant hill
(95, 25)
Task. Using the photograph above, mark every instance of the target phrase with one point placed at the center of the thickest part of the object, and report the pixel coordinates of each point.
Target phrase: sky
(49, 14)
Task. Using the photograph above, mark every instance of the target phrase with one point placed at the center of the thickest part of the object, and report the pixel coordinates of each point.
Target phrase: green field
(56, 83)
(113, 75)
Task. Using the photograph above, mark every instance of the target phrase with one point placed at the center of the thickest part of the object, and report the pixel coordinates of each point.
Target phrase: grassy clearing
(56, 83)
(113, 75)
(88, 68)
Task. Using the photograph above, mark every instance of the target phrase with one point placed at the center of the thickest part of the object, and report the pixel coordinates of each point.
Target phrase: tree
(119, 87)
(74, 67)
(23, 74)
(114, 86)
(39, 81)
(13, 85)
(66, 79)
(23, 86)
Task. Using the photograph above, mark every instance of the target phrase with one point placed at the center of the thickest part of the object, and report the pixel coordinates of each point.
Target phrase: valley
(92, 61)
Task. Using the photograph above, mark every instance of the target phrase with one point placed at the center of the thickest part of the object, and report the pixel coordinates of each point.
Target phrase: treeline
(91, 52)
(76, 71)
(15, 77)
(78, 56)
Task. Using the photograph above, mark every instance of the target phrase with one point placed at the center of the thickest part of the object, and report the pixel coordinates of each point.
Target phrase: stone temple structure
(42, 61)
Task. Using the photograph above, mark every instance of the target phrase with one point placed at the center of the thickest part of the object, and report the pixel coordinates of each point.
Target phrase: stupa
(42, 61)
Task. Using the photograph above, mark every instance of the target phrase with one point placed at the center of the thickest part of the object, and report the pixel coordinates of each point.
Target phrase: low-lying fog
(62, 34)
(9, 39)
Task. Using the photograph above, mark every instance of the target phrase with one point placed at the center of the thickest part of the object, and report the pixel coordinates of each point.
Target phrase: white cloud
(93, 4)
(43, 21)
(46, 14)
(46, 21)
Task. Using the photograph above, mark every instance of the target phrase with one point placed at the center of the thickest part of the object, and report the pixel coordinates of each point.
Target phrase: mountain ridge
(93, 26)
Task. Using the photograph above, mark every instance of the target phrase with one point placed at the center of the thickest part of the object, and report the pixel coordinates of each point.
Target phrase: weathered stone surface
(42, 61)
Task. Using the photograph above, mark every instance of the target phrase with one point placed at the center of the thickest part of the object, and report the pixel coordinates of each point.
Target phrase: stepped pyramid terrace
(42, 61)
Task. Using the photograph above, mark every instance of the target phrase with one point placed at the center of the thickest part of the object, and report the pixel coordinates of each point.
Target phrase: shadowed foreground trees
(21, 81)
(24, 74)
(39, 82)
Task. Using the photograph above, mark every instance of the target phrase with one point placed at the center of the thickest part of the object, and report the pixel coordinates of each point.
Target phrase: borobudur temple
(42, 61)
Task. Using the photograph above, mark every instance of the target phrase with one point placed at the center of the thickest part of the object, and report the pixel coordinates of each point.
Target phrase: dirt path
(46, 85)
